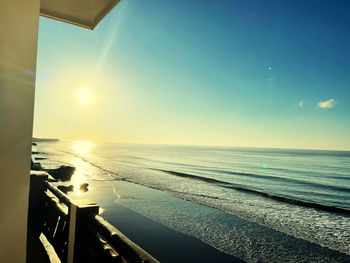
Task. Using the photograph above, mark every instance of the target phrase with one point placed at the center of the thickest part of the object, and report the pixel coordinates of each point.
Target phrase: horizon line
(196, 145)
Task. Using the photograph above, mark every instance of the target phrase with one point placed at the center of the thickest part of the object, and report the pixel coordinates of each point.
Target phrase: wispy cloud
(327, 104)
(301, 104)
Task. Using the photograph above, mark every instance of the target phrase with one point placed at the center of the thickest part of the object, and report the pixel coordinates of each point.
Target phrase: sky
(271, 73)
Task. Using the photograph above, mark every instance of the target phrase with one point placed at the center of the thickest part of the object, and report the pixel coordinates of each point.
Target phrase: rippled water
(303, 193)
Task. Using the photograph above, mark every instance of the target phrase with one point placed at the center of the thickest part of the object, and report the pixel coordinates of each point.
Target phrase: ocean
(259, 205)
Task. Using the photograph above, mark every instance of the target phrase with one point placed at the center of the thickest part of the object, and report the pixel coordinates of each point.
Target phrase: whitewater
(285, 204)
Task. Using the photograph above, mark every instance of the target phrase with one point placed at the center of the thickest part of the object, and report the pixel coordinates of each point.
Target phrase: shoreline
(162, 242)
(164, 223)
(132, 209)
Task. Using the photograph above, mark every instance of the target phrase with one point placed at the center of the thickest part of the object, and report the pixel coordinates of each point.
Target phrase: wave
(289, 216)
(237, 187)
(241, 188)
(284, 170)
(113, 175)
(299, 152)
(289, 180)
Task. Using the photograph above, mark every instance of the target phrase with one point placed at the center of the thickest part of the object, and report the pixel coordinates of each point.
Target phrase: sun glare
(82, 148)
(84, 96)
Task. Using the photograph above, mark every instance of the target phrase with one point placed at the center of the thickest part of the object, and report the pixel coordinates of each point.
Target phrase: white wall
(18, 43)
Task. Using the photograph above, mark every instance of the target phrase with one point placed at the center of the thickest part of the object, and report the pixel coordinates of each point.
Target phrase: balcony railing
(75, 229)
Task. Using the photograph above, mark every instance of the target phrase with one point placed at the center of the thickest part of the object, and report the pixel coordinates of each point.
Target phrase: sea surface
(260, 205)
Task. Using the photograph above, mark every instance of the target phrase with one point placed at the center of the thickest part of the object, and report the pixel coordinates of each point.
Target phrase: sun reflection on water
(83, 170)
(82, 148)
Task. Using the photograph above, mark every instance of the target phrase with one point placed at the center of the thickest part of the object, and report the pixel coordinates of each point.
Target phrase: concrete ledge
(42, 173)
(83, 13)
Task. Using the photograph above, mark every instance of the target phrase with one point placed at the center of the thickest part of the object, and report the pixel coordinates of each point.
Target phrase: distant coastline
(45, 139)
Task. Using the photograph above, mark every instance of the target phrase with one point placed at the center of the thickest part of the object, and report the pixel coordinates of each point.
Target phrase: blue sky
(236, 73)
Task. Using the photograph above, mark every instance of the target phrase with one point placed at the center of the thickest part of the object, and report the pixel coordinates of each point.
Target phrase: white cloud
(301, 104)
(327, 104)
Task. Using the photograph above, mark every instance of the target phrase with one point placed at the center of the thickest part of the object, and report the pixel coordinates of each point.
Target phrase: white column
(18, 45)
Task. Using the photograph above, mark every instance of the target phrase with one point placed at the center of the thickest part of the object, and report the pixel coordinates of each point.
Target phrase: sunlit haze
(84, 96)
(230, 73)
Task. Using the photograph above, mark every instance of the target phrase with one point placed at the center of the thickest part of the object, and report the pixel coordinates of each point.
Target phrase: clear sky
(272, 73)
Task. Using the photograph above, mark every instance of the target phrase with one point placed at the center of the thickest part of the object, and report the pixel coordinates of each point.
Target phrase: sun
(84, 96)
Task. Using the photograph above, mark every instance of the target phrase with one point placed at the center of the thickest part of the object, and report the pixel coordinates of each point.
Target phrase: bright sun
(84, 96)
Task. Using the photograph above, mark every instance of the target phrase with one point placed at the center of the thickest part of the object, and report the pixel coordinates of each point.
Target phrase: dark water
(303, 193)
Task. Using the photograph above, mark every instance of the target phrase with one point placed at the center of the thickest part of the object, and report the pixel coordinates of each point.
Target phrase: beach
(164, 243)
(199, 217)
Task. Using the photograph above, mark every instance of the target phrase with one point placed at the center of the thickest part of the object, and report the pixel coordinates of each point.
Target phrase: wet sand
(162, 242)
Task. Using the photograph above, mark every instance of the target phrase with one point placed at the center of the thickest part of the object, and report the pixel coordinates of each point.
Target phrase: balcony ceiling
(84, 13)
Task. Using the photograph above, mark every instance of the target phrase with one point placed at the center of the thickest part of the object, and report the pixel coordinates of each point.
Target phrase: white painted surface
(18, 44)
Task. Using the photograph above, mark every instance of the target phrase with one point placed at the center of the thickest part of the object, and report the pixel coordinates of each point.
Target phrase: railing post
(76, 213)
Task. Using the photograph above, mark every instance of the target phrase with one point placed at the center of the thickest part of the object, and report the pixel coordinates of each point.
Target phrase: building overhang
(84, 13)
